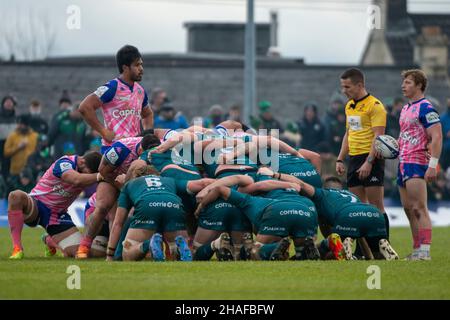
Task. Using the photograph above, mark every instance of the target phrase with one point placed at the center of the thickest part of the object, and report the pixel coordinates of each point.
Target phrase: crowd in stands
(29, 143)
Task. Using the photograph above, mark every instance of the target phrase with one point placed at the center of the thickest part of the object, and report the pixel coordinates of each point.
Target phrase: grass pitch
(37, 277)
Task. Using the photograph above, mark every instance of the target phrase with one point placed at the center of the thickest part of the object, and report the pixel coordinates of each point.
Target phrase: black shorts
(375, 178)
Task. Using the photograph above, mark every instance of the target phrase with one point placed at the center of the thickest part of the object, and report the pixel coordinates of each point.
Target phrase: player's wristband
(339, 161)
(433, 163)
(99, 177)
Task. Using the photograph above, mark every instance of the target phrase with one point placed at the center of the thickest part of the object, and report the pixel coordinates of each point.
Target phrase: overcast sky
(321, 31)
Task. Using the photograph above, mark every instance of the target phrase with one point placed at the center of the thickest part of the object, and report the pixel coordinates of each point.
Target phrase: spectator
(266, 120)
(167, 118)
(234, 113)
(393, 117)
(438, 189)
(445, 121)
(7, 125)
(310, 128)
(3, 188)
(158, 98)
(215, 116)
(20, 145)
(334, 123)
(65, 129)
(328, 160)
(40, 160)
(291, 135)
(37, 122)
(24, 181)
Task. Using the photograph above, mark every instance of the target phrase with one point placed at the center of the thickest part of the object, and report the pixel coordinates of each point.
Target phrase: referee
(365, 120)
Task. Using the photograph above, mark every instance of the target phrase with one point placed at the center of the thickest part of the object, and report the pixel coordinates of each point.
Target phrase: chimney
(431, 52)
(273, 29)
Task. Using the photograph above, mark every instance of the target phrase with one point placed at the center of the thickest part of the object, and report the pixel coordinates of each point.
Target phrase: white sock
(425, 247)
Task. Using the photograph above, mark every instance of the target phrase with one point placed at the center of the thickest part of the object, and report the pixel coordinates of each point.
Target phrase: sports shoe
(184, 252)
(223, 248)
(48, 251)
(348, 248)
(17, 254)
(336, 247)
(82, 252)
(310, 250)
(387, 251)
(423, 255)
(280, 252)
(248, 244)
(156, 246)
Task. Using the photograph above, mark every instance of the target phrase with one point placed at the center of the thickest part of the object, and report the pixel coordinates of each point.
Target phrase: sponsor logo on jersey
(112, 156)
(101, 91)
(64, 166)
(164, 204)
(432, 117)
(124, 113)
(295, 212)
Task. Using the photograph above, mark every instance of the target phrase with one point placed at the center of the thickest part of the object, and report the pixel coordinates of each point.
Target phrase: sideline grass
(37, 277)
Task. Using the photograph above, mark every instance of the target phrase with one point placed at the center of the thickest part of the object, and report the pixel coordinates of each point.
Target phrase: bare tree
(26, 34)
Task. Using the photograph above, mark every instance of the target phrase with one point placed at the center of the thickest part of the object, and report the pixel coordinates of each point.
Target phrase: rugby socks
(386, 221)
(266, 250)
(416, 241)
(425, 236)
(16, 220)
(145, 247)
(204, 252)
(86, 242)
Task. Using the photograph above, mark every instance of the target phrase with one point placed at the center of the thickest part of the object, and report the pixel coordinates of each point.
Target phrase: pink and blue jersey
(122, 153)
(122, 107)
(55, 194)
(415, 119)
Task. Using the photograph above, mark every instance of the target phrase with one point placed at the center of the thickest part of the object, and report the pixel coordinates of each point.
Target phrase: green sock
(204, 253)
(266, 250)
(145, 248)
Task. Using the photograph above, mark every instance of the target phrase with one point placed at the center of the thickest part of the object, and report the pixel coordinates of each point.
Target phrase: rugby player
(342, 213)
(420, 143)
(123, 101)
(49, 200)
(115, 161)
(273, 220)
(158, 214)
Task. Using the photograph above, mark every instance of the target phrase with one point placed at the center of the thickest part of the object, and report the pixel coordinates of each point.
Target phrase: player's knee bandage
(72, 240)
(173, 249)
(100, 243)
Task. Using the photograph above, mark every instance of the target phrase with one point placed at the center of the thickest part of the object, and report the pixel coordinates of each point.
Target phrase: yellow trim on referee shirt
(362, 116)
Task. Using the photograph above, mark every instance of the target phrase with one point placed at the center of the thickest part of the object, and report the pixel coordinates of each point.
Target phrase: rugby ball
(387, 146)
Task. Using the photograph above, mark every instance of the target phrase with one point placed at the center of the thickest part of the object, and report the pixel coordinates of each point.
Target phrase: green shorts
(223, 216)
(278, 218)
(360, 220)
(289, 218)
(165, 215)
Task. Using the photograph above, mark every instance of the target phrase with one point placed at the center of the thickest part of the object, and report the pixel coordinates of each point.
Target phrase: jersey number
(153, 182)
